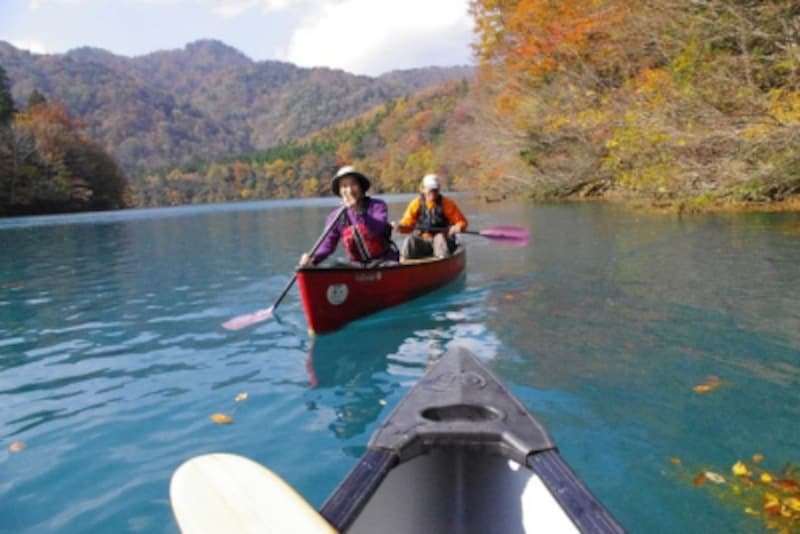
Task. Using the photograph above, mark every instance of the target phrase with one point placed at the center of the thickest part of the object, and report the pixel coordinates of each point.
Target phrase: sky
(368, 37)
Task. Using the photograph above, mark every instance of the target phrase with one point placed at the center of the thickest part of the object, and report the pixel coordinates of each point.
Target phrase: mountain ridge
(204, 101)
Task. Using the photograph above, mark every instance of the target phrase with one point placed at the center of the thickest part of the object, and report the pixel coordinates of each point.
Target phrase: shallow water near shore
(112, 358)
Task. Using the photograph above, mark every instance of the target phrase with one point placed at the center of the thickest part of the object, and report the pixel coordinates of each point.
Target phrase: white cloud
(230, 9)
(31, 45)
(36, 4)
(370, 37)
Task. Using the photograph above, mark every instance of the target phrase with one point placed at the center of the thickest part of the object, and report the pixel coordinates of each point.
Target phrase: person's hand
(453, 230)
(400, 228)
(305, 259)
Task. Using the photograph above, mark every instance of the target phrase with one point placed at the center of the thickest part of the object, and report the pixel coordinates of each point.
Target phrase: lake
(654, 347)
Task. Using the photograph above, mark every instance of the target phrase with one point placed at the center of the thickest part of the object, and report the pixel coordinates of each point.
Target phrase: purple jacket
(375, 218)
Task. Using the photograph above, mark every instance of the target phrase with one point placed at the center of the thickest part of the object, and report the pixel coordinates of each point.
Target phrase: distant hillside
(395, 144)
(206, 101)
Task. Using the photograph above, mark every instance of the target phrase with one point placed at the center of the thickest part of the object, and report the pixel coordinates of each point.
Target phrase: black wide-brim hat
(349, 171)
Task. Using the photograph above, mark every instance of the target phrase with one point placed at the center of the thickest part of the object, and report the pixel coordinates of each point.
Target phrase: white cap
(430, 181)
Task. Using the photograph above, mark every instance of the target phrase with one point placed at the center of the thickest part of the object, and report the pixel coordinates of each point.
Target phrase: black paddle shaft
(325, 233)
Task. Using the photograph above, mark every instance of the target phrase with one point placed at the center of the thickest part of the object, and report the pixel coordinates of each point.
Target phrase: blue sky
(360, 36)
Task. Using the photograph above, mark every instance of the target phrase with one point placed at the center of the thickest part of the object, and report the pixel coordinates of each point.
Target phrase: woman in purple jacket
(363, 227)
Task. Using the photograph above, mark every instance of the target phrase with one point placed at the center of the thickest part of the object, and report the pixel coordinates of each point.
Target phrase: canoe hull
(461, 454)
(335, 296)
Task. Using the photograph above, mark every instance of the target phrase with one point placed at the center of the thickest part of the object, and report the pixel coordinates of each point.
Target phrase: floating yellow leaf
(714, 477)
(739, 469)
(750, 511)
(221, 418)
(17, 446)
(793, 503)
(772, 505)
(766, 478)
(712, 383)
(675, 460)
(241, 397)
(757, 457)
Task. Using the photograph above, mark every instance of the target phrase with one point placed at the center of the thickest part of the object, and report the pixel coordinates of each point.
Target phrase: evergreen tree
(36, 98)
(6, 101)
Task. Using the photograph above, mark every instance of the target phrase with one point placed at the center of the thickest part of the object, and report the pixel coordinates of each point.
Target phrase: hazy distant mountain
(206, 101)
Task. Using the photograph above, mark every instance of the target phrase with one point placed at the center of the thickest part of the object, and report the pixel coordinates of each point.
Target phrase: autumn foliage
(48, 165)
(642, 98)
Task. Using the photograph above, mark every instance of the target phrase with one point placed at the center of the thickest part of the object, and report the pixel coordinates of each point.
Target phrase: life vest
(432, 218)
(376, 246)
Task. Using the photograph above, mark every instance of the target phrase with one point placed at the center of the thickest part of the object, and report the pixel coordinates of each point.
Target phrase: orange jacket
(449, 207)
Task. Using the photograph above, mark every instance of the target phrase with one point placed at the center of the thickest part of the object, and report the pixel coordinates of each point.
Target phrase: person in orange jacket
(433, 221)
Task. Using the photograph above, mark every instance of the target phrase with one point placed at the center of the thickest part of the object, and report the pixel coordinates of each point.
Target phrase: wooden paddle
(243, 321)
(508, 235)
(224, 493)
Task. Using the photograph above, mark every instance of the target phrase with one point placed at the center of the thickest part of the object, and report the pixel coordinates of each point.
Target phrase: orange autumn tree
(57, 168)
(534, 37)
(555, 76)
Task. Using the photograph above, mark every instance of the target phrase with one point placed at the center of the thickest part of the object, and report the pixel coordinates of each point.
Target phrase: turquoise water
(112, 357)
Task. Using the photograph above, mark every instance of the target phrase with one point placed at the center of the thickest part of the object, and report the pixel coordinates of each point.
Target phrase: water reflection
(360, 371)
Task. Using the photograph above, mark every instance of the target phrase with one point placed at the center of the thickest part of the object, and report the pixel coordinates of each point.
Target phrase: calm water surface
(112, 357)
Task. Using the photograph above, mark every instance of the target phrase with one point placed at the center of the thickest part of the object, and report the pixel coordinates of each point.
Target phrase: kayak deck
(461, 491)
(461, 454)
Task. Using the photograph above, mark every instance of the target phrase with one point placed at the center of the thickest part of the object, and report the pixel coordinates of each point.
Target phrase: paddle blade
(508, 235)
(225, 493)
(243, 321)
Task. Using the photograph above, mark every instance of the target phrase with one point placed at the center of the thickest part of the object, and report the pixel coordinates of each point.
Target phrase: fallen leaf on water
(221, 418)
(766, 478)
(241, 397)
(700, 479)
(786, 484)
(714, 477)
(712, 383)
(675, 460)
(772, 505)
(793, 503)
(17, 446)
(750, 511)
(757, 457)
(739, 469)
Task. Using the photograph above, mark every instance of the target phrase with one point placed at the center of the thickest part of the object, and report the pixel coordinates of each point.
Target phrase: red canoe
(334, 296)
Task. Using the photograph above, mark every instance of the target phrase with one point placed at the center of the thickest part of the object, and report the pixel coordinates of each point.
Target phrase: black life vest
(432, 220)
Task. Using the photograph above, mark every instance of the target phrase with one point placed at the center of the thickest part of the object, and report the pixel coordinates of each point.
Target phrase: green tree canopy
(6, 101)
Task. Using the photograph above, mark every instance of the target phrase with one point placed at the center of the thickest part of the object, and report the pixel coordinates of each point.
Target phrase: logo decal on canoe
(368, 277)
(337, 293)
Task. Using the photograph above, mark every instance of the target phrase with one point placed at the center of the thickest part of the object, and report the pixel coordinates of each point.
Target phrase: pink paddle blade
(243, 321)
(512, 235)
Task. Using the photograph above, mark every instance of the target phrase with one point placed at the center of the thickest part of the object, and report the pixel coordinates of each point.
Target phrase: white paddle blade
(225, 493)
(243, 321)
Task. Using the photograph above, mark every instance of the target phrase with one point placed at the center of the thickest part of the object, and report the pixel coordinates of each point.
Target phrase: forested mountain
(394, 144)
(202, 102)
(684, 103)
(48, 165)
